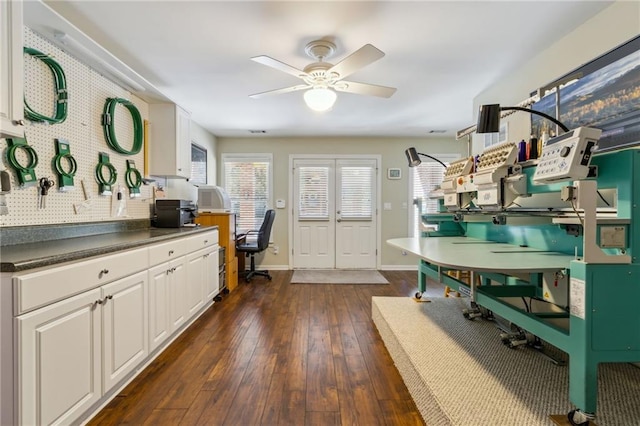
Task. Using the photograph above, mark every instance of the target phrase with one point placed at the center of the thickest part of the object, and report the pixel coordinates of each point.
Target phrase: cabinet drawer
(43, 287)
(167, 251)
(200, 241)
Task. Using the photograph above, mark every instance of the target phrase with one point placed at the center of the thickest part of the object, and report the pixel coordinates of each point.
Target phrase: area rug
(459, 373)
(337, 276)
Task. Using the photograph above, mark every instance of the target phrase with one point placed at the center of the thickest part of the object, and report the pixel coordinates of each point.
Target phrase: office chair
(251, 248)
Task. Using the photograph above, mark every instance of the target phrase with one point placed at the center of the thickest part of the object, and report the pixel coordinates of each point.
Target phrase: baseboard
(399, 267)
(382, 268)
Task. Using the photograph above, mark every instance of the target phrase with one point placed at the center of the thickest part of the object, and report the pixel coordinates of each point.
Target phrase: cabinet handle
(170, 252)
(103, 272)
(206, 241)
(99, 301)
(18, 122)
(109, 297)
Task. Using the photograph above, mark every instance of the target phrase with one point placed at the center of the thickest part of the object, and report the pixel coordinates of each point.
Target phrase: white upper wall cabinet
(11, 75)
(169, 141)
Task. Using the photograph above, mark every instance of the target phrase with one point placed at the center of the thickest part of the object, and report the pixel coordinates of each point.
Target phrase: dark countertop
(21, 257)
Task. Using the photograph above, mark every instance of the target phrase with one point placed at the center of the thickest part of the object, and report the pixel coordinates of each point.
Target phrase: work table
(21, 257)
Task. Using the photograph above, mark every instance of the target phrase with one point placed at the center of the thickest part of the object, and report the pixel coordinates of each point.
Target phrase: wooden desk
(226, 223)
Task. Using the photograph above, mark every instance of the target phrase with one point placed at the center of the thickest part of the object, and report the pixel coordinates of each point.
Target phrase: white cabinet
(11, 75)
(168, 309)
(83, 328)
(125, 342)
(195, 282)
(211, 270)
(170, 147)
(159, 295)
(59, 360)
(202, 278)
(74, 351)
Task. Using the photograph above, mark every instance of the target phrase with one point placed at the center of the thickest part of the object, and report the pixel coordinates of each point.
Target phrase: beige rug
(459, 373)
(337, 276)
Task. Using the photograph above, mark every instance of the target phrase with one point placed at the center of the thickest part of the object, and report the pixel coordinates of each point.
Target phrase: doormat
(337, 276)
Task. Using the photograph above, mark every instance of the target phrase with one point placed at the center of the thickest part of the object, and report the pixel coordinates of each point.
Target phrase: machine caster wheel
(225, 291)
(269, 278)
(418, 295)
(579, 418)
(218, 299)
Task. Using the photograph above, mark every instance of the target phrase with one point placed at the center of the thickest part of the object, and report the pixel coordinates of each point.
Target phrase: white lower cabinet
(125, 342)
(167, 300)
(75, 350)
(87, 335)
(60, 360)
(211, 270)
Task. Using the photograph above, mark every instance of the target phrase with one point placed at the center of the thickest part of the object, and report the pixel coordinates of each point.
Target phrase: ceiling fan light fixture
(320, 98)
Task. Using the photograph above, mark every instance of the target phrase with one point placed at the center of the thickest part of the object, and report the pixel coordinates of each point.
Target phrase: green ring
(60, 82)
(109, 131)
(138, 176)
(112, 171)
(72, 161)
(33, 157)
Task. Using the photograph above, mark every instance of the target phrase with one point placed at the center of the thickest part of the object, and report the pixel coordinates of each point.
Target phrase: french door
(334, 213)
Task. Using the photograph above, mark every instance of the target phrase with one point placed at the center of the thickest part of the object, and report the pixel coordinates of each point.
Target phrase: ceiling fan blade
(274, 63)
(362, 57)
(279, 91)
(364, 89)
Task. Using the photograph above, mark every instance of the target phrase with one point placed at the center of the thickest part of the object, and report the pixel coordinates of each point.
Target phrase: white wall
(394, 222)
(613, 26)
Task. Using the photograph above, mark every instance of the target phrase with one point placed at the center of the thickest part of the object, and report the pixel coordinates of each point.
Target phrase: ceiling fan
(322, 79)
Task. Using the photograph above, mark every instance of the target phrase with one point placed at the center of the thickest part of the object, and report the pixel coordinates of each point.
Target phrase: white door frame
(378, 160)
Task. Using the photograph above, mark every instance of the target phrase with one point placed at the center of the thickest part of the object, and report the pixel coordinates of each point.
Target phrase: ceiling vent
(257, 131)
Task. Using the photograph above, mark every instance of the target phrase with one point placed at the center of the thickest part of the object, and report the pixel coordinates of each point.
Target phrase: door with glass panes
(334, 213)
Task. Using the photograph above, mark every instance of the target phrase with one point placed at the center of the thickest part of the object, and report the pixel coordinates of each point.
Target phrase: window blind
(356, 187)
(246, 181)
(426, 177)
(313, 191)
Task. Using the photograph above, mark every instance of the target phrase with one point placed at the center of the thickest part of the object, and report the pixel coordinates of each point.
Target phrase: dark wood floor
(273, 353)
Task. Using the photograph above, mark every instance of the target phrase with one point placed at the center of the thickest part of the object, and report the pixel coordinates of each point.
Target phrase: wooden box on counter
(226, 223)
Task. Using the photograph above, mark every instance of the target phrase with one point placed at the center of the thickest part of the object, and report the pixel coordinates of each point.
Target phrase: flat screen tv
(606, 95)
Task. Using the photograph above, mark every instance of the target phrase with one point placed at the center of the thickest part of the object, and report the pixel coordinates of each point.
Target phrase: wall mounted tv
(605, 93)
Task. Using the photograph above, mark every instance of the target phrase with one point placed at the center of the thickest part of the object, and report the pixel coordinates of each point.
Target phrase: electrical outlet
(276, 249)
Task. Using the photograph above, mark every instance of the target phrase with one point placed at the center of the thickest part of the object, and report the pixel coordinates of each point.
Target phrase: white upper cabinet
(170, 141)
(11, 74)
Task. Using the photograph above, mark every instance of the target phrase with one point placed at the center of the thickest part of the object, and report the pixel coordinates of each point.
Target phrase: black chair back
(265, 229)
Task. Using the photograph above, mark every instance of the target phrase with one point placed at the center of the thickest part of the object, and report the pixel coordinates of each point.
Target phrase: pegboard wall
(83, 130)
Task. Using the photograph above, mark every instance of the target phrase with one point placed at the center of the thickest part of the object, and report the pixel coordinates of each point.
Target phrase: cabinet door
(11, 75)
(159, 295)
(212, 281)
(124, 320)
(177, 293)
(59, 360)
(195, 282)
(183, 145)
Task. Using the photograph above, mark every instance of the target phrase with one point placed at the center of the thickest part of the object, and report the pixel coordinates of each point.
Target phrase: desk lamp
(414, 159)
(489, 117)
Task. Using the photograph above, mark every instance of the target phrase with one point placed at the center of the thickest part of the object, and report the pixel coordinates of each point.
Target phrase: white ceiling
(439, 55)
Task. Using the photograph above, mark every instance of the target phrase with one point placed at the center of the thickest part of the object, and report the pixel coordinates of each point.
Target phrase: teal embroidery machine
(559, 230)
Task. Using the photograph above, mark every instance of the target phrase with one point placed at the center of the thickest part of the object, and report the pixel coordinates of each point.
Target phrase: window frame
(206, 164)
(249, 157)
(447, 158)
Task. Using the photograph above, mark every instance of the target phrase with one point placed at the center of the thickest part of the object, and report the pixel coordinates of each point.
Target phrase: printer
(175, 213)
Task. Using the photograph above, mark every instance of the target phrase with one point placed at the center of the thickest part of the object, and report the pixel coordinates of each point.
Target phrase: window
(314, 193)
(247, 178)
(424, 179)
(198, 165)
